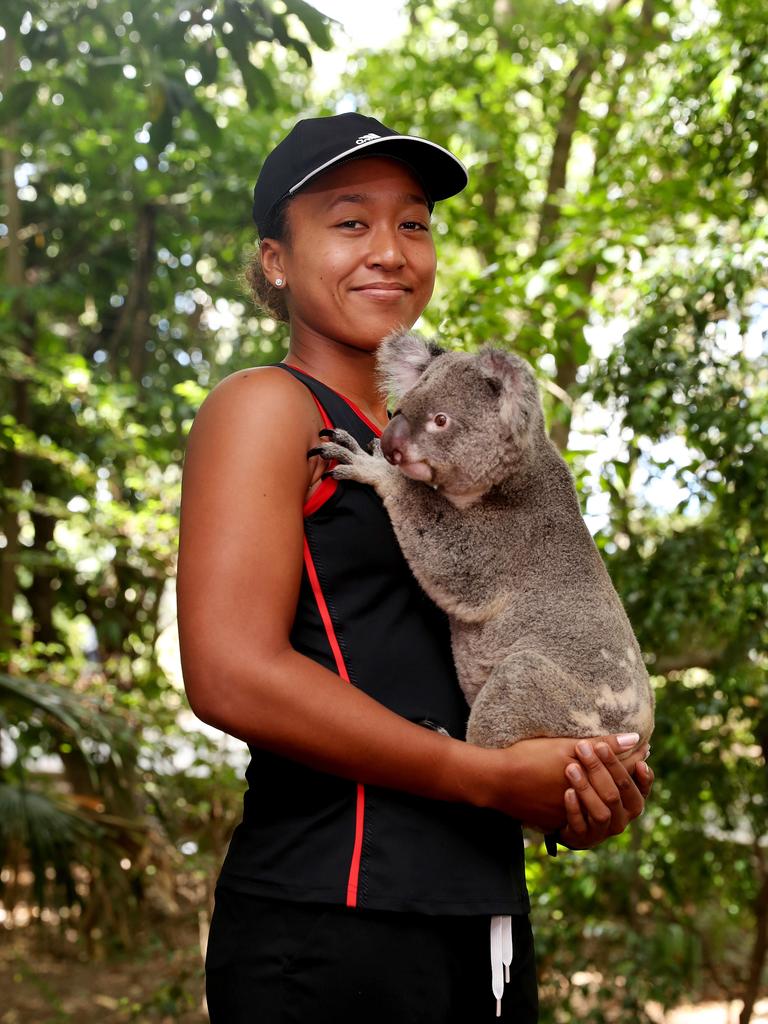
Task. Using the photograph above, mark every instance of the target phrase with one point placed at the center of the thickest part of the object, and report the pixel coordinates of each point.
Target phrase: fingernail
(585, 749)
(573, 773)
(628, 739)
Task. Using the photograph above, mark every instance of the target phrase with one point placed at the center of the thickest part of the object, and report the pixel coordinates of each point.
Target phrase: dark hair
(265, 295)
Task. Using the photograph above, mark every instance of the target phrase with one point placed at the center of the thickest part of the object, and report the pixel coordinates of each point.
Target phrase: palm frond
(42, 831)
(85, 723)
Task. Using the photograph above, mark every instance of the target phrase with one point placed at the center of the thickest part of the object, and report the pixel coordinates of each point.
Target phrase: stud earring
(278, 282)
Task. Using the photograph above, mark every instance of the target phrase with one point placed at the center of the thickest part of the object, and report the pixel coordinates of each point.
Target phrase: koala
(486, 513)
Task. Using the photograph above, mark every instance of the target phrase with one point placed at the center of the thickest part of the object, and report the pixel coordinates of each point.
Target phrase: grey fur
(494, 534)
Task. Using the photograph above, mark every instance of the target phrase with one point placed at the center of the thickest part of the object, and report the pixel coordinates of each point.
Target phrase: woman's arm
(239, 572)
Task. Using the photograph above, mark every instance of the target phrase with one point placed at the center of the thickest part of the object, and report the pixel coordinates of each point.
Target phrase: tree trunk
(12, 462)
(573, 95)
(566, 365)
(134, 320)
(759, 952)
(578, 80)
(40, 595)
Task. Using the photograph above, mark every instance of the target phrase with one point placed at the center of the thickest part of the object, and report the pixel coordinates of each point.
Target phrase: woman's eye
(351, 224)
(416, 225)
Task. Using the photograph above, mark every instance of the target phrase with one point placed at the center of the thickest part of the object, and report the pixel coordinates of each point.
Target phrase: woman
(375, 844)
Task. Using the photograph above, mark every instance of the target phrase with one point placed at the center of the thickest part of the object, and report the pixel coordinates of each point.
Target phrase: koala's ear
(501, 370)
(401, 358)
(497, 366)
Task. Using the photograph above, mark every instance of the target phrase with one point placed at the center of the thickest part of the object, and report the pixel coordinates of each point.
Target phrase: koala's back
(559, 658)
(565, 666)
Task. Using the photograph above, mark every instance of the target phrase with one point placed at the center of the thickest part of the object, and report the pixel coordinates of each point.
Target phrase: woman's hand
(604, 796)
(528, 781)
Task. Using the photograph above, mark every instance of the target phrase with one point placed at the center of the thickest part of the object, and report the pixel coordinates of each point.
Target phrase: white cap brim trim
(375, 142)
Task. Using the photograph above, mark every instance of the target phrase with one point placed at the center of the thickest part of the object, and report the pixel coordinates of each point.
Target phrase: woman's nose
(385, 250)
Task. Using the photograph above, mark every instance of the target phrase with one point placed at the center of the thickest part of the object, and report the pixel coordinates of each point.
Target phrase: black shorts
(278, 962)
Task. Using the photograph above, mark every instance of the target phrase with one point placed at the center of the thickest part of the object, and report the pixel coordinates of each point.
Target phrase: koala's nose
(394, 438)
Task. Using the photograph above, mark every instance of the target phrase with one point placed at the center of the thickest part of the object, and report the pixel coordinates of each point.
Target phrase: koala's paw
(353, 462)
(341, 447)
(374, 447)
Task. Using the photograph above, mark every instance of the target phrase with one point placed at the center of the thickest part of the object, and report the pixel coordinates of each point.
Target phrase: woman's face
(360, 260)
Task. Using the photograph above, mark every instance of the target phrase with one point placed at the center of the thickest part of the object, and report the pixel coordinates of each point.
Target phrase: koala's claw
(353, 461)
(333, 451)
(341, 437)
(343, 446)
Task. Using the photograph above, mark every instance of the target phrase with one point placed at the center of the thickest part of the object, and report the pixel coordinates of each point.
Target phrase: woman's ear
(271, 253)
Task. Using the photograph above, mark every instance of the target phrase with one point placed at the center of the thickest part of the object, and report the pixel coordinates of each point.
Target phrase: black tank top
(310, 836)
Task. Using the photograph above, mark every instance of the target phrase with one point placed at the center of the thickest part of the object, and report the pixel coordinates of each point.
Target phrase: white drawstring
(501, 955)
(506, 944)
(497, 964)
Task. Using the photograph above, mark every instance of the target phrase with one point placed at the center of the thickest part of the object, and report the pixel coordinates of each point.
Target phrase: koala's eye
(441, 420)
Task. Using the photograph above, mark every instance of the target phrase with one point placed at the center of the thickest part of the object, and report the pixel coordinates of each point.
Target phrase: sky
(362, 27)
(366, 26)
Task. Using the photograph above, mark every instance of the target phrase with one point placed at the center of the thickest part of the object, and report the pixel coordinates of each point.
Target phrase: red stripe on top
(325, 615)
(357, 849)
(319, 496)
(341, 668)
(327, 487)
(350, 403)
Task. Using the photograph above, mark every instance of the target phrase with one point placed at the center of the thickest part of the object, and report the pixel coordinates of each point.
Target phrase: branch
(701, 658)
(575, 87)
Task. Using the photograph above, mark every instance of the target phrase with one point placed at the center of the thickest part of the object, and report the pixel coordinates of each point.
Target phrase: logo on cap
(367, 138)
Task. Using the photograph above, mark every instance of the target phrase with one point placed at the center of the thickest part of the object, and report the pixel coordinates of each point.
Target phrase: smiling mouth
(383, 289)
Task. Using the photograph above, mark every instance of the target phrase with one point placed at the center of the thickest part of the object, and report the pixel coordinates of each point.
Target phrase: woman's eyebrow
(364, 197)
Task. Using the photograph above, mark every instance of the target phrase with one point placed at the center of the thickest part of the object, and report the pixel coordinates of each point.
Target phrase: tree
(614, 232)
(130, 135)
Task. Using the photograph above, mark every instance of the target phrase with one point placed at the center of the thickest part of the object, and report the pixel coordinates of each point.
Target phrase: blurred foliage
(130, 136)
(614, 231)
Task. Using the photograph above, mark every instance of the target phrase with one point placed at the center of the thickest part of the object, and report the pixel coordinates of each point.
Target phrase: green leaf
(161, 129)
(317, 24)
(623, 471)
(206, 123)
(581, 350)
(258, 87)
(208, 61)
(17, 100)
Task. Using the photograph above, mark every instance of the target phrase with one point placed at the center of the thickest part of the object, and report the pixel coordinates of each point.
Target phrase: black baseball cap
(315, 144)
